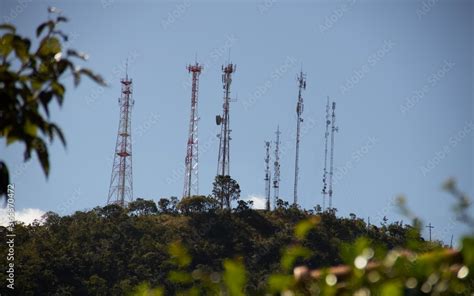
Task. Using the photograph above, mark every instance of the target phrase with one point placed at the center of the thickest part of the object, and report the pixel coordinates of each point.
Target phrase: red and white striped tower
(191, 176)
(121, 181)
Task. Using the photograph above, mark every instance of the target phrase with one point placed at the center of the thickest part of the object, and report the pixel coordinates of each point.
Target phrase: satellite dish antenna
(218, 119)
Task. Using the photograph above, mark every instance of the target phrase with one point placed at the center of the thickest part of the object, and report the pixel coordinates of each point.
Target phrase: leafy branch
(30, 81)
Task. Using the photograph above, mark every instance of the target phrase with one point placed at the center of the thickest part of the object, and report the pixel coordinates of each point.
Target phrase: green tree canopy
(141, 206)
(197, 204)
(225, 190)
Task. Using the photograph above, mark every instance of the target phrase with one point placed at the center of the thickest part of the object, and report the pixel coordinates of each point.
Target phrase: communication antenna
(223, 163)
(276, 168)
(326, 140)
(121, 181)
(267, 175)
(334, 129)
(191, 161)
(299, 111)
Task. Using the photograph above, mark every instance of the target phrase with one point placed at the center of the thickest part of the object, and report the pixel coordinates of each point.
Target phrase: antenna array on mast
(299, 111)
(191, 175)
(325, 171)
(121, 181)
(267, 175)
(334, 129)
(276, 168)
(224, 137)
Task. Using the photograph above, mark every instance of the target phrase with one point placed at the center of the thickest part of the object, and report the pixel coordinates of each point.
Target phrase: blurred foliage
(30, 79)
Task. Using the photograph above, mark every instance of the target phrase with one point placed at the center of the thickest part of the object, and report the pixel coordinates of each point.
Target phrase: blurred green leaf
(4, 178)
(42, 153)
(74, 53)
(280, 282)
(392, 289)
(55, 129)
(61, 19)
(30, 128)
(145, 290)
(49, 47)
(291, 254)
(77, 77)
(468, 251)
(180, 277)
(8, 27)
(449, 184)
(193, 291)
(303, 227)
(45, 98)
(50, 24)
(179, 254)
(58, 90)
(97, 78)
(6, 43)
(63, 64)
(234, 277)
(11, 139)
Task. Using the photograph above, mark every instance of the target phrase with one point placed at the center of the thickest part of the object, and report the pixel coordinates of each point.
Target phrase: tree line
(110, 250)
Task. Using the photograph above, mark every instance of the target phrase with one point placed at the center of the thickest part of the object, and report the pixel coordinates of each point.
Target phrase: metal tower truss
(191, 175)
(334, 129)
(326, 139)
(268, 177)
(121, 181)
(299, 111)
(276, 169)
(223, 164)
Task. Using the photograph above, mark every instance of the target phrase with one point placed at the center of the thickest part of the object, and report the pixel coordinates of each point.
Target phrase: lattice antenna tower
(268, 177)
(223, 164)
(299, 111)
(334, 129)
(276, 169)
(191, 162)
(326, 140)
(121, 181)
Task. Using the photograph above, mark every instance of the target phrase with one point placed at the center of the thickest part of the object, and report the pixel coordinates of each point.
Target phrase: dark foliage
(109, 250)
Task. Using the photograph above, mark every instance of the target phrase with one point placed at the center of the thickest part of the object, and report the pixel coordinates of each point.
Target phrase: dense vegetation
(110, 250)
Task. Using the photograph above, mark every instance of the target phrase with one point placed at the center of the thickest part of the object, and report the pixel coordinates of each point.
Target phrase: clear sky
(401, 73)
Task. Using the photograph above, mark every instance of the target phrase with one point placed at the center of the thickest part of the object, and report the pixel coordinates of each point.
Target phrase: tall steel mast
(191, 176)
(121, 181)
(224, 137)
(268, 177)
(276, 168)
(334, 129)
(299, 111)
(326, 139)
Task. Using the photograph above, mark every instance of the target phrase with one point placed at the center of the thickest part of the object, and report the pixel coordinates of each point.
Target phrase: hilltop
(110, 250)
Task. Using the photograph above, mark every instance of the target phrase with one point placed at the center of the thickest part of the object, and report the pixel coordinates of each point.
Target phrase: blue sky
(400, 72)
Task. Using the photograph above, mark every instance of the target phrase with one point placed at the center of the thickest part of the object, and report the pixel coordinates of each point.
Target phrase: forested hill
(111, 250)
